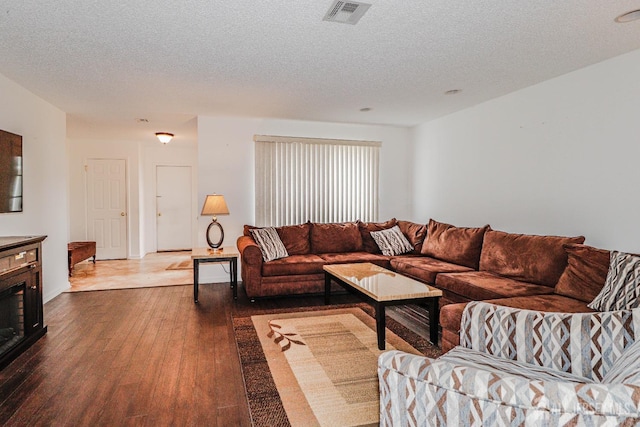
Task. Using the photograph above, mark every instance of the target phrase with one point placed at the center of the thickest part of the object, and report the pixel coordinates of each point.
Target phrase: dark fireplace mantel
(21, 314)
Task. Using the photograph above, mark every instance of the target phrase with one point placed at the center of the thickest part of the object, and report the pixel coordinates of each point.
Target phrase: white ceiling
(107, 63)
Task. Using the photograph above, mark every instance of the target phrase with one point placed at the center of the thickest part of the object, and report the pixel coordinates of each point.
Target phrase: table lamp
(214, 204)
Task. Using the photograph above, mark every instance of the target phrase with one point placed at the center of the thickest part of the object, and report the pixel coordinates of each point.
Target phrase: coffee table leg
(196, 264)
(327, 288)
(380, 325)
(433, 319)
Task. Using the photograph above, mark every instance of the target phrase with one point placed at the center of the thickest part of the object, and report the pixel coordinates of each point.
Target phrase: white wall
(141, 159)
(226, 166)
(560, 157)
(45, 203)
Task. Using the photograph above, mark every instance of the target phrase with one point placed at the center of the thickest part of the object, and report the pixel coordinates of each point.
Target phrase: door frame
(127, 200)
(194, 201)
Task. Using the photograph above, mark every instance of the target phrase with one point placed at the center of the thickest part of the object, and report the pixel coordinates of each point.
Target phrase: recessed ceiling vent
(346, 12)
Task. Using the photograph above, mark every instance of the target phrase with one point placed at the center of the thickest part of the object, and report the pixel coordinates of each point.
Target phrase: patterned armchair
(520, 367)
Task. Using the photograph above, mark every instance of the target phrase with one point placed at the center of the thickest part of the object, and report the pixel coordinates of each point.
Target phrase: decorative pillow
(585, 274)
(621, 290)
(459, 245)
(391, 241)
(270, 244)
(366, 228)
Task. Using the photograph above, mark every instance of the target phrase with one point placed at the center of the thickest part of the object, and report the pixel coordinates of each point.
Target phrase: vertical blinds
(318, 180)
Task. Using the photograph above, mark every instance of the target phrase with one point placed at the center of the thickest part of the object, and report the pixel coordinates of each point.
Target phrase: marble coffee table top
(379, 283)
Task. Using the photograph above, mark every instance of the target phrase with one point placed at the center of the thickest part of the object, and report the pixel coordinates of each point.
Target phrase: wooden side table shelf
(226, 254)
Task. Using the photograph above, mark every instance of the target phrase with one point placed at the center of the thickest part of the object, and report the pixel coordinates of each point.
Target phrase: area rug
(183, 265)
(316, 367)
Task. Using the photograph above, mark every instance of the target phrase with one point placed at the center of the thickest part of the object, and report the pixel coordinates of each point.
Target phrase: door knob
(159, 214)
(121, 213)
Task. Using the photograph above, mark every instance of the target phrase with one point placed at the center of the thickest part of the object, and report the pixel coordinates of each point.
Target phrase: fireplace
(11, 317)
(21, 315)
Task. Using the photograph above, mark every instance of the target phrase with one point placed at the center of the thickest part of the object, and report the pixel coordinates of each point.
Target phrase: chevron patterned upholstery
(520, 367)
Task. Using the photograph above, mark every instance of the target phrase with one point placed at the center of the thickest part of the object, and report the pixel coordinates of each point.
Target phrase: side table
(225, 254)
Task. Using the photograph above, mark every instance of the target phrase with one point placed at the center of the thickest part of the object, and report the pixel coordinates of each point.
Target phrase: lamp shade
(214, 204)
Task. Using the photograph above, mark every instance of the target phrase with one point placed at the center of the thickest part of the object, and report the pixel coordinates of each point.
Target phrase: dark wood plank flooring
(145, 357)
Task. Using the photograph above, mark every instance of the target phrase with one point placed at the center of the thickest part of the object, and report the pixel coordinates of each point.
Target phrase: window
(318, 180)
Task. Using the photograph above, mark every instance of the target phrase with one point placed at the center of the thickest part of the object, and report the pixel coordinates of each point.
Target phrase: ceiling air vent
(346, 12)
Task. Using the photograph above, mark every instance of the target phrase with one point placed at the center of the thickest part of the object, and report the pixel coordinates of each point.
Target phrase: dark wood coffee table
(382, 287)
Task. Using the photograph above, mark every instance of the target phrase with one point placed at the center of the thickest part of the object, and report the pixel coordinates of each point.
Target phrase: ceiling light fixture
(634, 15)
(365, 109)
(164, 137)
(453, 91)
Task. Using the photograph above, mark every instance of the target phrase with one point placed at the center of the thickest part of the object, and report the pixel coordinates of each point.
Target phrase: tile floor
(132, 273)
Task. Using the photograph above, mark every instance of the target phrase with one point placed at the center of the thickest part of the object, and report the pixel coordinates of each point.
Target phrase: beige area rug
(324, 365)
(150, 271)
(182, 265)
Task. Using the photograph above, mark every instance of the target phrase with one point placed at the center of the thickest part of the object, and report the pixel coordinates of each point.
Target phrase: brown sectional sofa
(310, 246)
(548, 273)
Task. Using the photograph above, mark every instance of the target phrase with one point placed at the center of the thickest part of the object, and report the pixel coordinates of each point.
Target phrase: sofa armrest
(585, 344)
(415, 390)
(249, 251)
(251, 263)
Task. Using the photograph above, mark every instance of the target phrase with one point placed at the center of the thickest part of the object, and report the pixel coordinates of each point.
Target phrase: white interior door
(173, 207)
(107, 207)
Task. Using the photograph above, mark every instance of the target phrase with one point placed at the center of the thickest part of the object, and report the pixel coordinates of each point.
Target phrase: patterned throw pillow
(391, 241)
(621, 290)
(270, 244)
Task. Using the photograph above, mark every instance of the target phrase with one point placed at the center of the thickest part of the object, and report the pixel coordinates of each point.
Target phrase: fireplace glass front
(11, 317)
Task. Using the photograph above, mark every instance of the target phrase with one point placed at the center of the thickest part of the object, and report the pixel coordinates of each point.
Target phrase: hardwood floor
(135, 357)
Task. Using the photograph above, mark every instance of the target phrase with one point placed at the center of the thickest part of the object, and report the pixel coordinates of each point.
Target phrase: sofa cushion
(422, 268)
(270, 244)
(535, 259)
(489, 363)
(625, 370)
(368, 244)
(294, 237)
(621, 289)
(415, 234)
(549, 303)
(481, 285)
(294, 265)
(459, 245)
(335, 238)
(391, 241)
(356, 257)
(585, 274)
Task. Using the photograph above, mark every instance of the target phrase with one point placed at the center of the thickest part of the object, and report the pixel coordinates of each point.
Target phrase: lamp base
(215, 245)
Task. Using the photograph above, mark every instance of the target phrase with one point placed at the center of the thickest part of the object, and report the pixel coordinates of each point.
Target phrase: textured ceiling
(107, 63)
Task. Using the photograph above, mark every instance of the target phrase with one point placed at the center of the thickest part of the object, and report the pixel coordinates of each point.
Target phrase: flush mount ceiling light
(634, 15)
(164, 137)
(453, 91)
(365, 109)
(346, 12)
